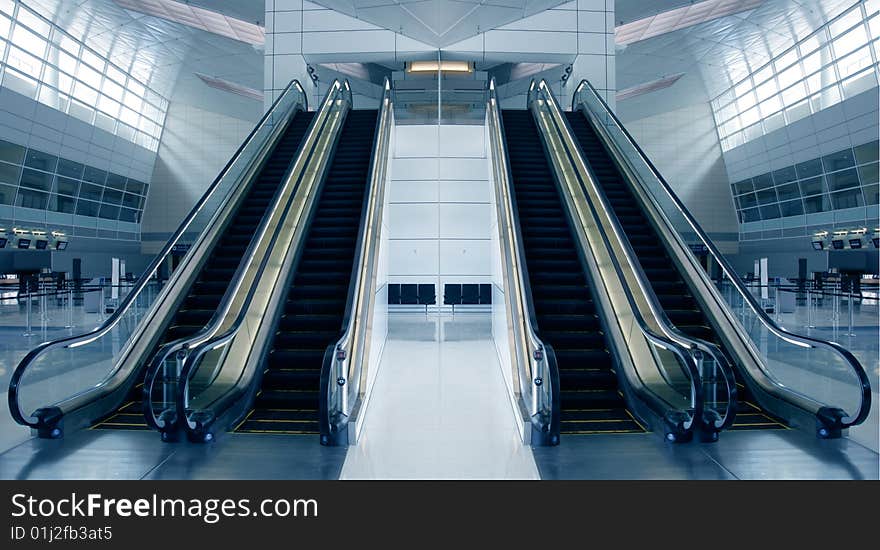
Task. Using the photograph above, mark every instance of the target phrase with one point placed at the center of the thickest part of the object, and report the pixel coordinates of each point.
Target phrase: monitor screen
(818, 245)
(3, 242)
(855, 243)
(24, 243)
(61, 245)
(838, 245)
(41, 244)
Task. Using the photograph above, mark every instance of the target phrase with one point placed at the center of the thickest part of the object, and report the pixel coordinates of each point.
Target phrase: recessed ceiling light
(434, 66)
(680, 18)
(231, 87)
(199, 18)
(648, 87)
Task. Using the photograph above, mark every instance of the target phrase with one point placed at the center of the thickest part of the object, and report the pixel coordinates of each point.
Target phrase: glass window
(109, 212)
(7, 194)
(60, 203)
(813, 186)
(135, 186)
(788, 191)
(791, 208)
(89, 191)
(31, 199)
(766, 90)
(748, 200)
(10, 152)
(824, 99)
(9, 173)
(81, 111)
(794, 94)
(851, 198)
(66, 186)
(770, 211)
(772, 105)
(850, 41)
(70, 169)
(87, 208)
(766, 196)
(751, 215)
(859, 83)
(25, 63)
(5, 24)
(40, 160)
(872, 194)
(763, 181)
(819, 203)
(809, 168)
(868, 173)
(108, 106)
(844, 22)
(854, 62)
(115, 181)
(131, 201)
(774, 122)
(36, 180)
(743, 186)
(839, 160)
(127, 215)
(784, 175)
(95, 61)
(867, 152)
(94, 175)
(28, 41)
(112, 196)
(789, 76)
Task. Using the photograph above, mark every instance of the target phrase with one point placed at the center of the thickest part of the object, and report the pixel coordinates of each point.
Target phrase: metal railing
(536, 373)
(233, 342)
(111, 361)
(703, 361)
(343, 372)
(779, 376)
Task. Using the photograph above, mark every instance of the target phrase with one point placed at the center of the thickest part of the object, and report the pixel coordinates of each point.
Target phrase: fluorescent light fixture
(231, 87)
(648, 87)
(443, 66)
(199, 18)
(680, 18)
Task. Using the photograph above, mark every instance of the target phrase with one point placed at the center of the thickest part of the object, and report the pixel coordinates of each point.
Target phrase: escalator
(204, 297)
(679, 304)
(567, 319)
(288, 400)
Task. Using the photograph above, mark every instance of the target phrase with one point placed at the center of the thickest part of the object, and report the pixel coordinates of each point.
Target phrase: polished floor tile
(439, 409)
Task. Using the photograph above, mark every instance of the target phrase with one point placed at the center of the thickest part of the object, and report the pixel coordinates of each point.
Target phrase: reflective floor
(439, 408)
(440, 411)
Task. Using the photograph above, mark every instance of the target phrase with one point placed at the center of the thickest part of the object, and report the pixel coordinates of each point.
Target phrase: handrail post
(69, 308)
(28, 331)
(851, 333)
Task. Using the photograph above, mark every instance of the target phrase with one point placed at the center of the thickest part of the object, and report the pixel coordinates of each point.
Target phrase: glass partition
(817, 376)
(65, 374)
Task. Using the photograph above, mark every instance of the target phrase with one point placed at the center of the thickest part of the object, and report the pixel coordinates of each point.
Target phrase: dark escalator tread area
(683, 310)
(207, 291)
(288, 400)
(591, 402)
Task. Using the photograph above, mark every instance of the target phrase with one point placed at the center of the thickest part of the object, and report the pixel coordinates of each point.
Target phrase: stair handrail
(49, 417)
(342, 367)
(538, 382)
(832, 415)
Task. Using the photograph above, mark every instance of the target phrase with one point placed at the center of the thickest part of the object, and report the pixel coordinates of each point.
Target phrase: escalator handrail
(146, 276)
(183, 346)
(681, 351)
(797, 339)
(192, 361)
(358, 314)
(670, 331)
(540, 351)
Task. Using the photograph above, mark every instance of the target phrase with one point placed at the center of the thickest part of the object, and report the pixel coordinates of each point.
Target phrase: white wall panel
(413, 221)
(413, 191)
(463, 221)
(466, 258)
(465, 191)
(425, 168)
(408, 257)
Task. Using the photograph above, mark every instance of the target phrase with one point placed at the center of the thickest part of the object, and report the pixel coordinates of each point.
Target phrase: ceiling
(167, 55)
(439, 23)
(712, 55)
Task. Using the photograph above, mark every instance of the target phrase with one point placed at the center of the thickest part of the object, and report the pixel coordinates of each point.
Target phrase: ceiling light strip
(680, 18)
(231, 87)
(648, 87)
